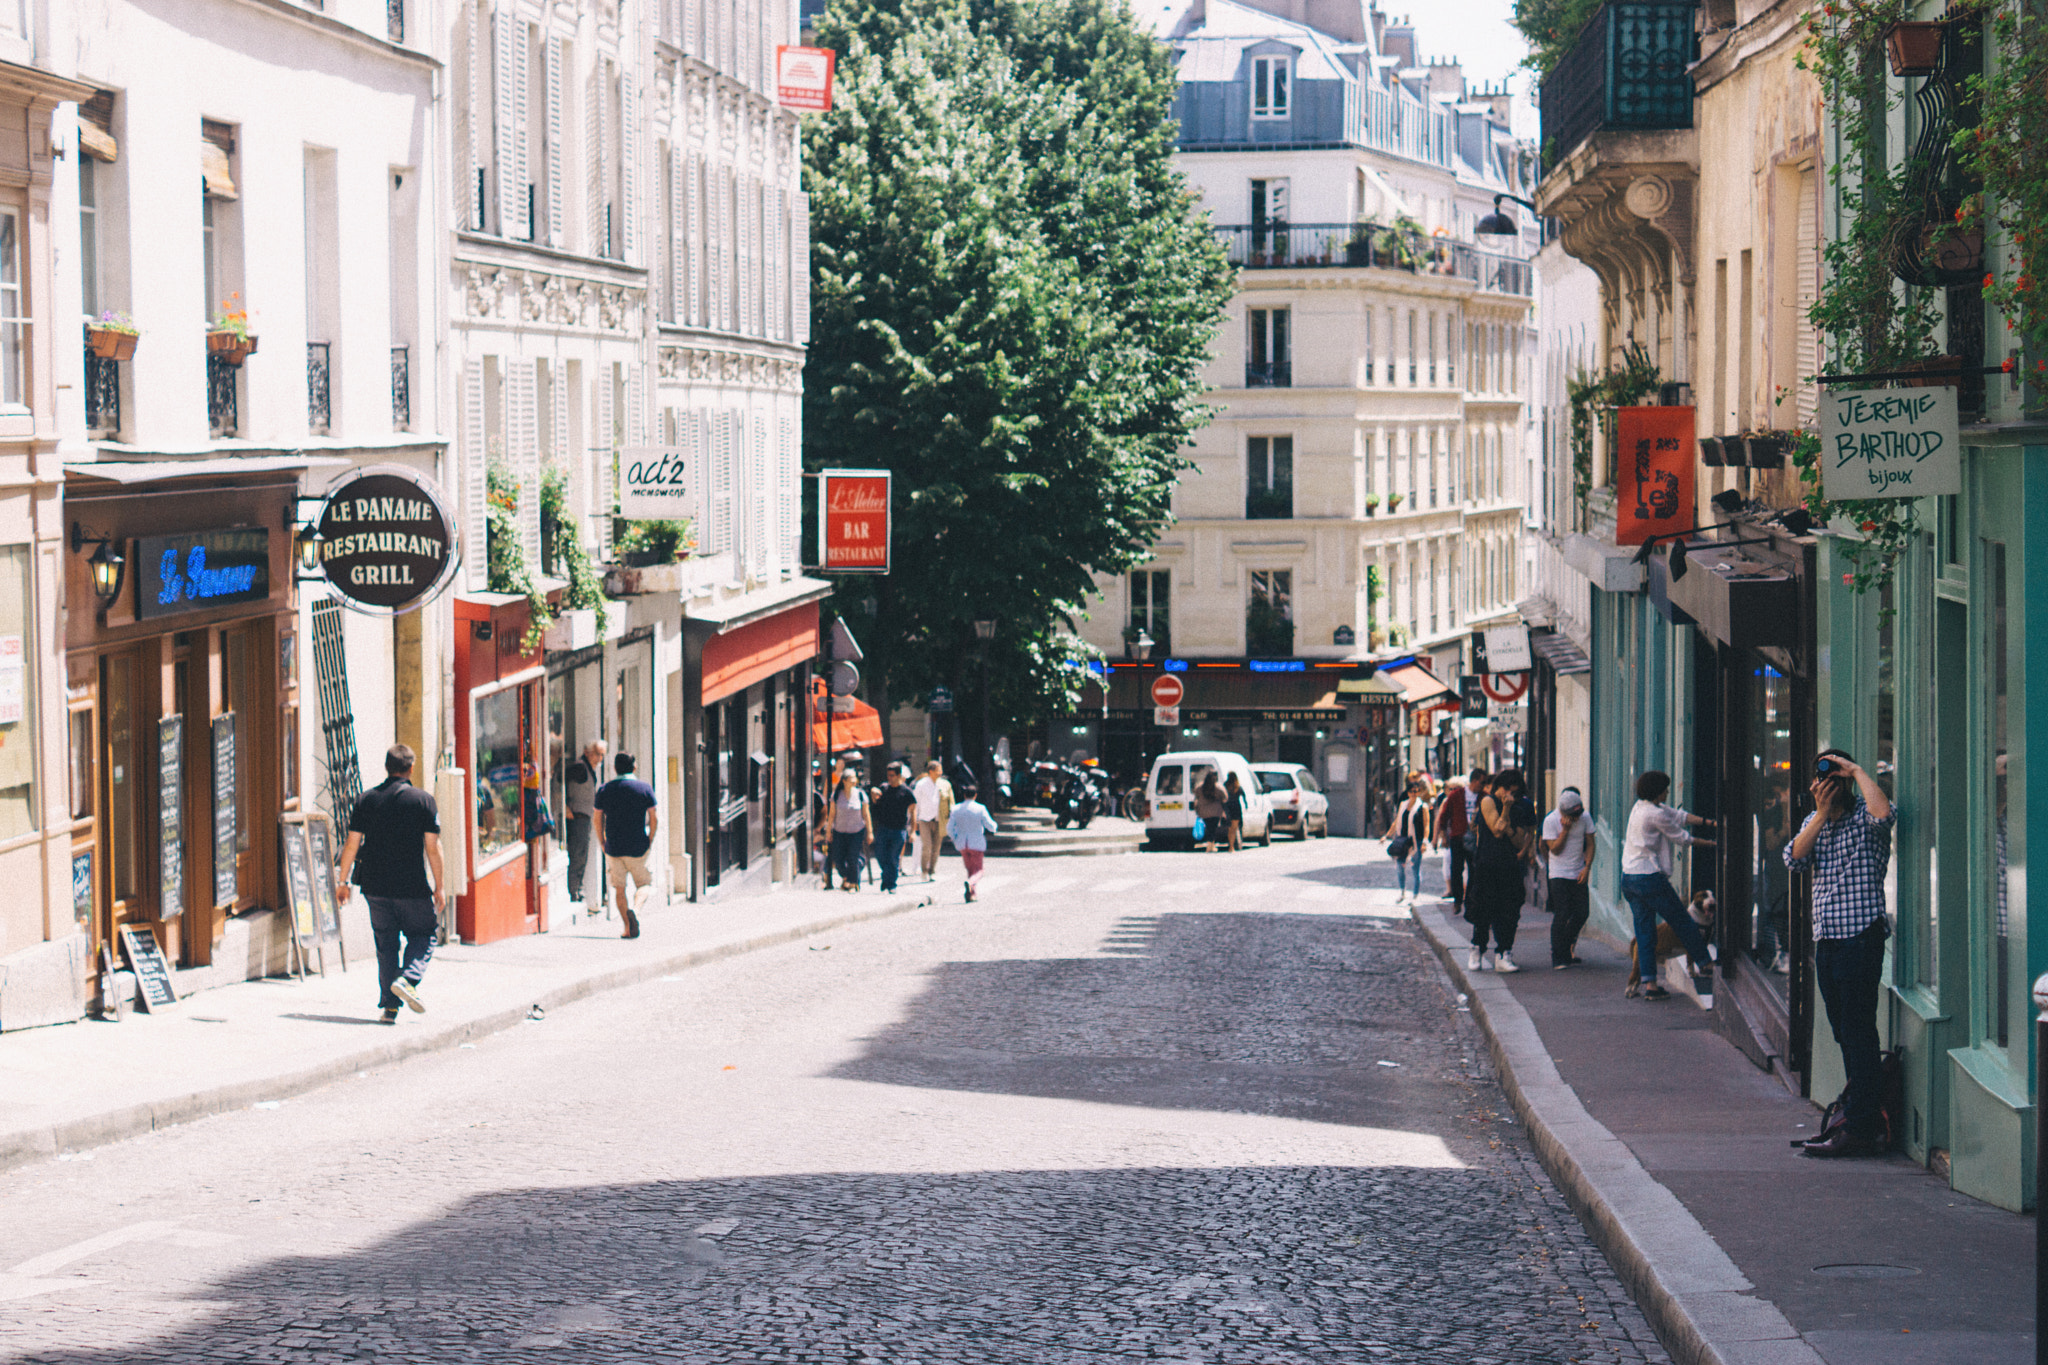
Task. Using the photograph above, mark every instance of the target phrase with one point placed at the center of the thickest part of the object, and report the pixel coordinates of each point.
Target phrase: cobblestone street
(1155, 1107)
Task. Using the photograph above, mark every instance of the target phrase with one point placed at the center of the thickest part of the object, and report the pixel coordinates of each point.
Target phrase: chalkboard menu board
(147, 961)
(320, 842)
(170, 805)
(298, 877)
(227, 809)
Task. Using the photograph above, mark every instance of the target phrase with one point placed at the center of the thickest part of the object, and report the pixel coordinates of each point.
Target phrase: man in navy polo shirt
(627, 823)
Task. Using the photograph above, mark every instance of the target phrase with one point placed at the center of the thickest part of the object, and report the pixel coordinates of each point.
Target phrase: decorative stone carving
(701, 364)
(539, 296)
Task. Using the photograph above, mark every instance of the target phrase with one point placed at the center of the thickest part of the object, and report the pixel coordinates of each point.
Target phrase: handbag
(1201, 828)
(1399, 847)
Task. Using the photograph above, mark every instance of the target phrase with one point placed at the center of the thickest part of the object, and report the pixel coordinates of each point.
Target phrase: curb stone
(1700, 1304)
(114, 1125)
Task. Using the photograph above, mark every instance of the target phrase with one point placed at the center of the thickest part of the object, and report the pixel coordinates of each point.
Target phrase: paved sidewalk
(74, 1086)
(1674, 1150)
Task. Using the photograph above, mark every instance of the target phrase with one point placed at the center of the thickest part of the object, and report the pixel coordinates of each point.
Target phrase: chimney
(1447, 78)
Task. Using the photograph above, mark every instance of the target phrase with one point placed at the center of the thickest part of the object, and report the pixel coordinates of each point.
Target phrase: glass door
(122, 845)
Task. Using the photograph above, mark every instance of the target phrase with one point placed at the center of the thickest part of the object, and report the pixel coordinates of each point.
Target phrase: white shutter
(557, 60)
(593, 154)
(762, 496)
(559, 412)
(696, 437)
(687, 39)
(470, 200)
(522, 437)
(678, 250)
(693, 231)
(475, 534)
(800, 268)
(504, 113)
(789, 461)
(774, 266)
(723, 243)
(636, 405)
(721, 483)
(1808, 265)
(629, 169)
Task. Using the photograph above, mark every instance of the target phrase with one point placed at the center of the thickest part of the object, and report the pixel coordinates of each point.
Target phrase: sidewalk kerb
(1698, 1301)
(115, 1125)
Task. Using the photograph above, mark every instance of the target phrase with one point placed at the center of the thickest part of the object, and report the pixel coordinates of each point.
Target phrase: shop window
(17, 698)
(496, 741)
(1998, 688)
(1152, 609)
(1269, 478)
(81, 763)
(1269, 614)
(1884, 767)
(1773, 823)
(13, 324)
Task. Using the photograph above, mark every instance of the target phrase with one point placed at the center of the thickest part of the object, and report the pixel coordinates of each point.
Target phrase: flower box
(233, 347)
(1764, 450)
(1710, 452)
(1914, 48)
(111, 344)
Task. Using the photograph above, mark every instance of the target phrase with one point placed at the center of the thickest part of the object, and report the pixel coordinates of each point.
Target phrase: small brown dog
(1702, 910)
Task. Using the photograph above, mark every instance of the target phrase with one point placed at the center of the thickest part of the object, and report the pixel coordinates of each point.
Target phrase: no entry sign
(1167, 690)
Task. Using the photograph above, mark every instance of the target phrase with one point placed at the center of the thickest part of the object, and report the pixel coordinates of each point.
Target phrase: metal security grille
(337, 721)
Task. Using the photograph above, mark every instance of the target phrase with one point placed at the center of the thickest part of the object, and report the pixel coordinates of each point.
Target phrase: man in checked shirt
(1847, 842)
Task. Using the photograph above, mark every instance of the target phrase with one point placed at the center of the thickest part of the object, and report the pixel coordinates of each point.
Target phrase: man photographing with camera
(1847, 843)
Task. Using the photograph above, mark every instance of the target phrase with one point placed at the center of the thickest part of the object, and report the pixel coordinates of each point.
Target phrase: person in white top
(1654, 831)
(934, 806)
(1568, 841)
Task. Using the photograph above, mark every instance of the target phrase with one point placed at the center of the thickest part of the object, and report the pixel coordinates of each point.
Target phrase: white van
(1169, 796)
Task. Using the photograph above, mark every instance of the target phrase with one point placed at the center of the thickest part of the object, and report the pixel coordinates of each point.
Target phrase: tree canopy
(1012, 299)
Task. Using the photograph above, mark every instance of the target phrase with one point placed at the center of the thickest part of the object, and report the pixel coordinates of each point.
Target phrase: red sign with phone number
(854, 504)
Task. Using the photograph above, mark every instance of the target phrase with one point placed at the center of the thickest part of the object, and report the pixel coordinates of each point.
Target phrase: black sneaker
(1654, 992)
(388, 1017)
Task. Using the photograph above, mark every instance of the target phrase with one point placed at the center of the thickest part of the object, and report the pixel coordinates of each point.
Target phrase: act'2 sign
(657, 484)
(1902, 443)
(853, 505)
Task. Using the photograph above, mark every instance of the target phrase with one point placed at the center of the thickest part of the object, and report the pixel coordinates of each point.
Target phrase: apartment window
(1268, 364)
(1450, 351)
(1435, 460)
(1152, 610)
(1433, 568)
(1369, 362)
(1269, 87)
(13, 325)
(1413, 352)
(1269, 478)
(1269, 613)
(89, 233)
(1432, 350)
(1393, 338)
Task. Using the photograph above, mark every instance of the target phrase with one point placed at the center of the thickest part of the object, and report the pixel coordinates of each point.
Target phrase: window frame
(1271, 88)
(1261, 489)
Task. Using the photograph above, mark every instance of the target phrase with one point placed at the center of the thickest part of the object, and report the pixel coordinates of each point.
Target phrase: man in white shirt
(1568, 840)
(934, 806)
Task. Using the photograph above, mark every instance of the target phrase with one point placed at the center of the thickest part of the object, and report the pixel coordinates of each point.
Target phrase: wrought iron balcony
(102, 392)
(1627, 72)
(319, 398)
(394, 20)
(401, 388)
(223, 418)
(1274, 374)
(1300, 246)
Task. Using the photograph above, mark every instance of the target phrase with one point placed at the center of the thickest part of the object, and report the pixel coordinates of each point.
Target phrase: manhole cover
(1865, 1272)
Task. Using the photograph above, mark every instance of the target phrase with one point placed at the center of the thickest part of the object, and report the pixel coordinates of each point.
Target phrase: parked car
(1297, 799)
(1169, 794)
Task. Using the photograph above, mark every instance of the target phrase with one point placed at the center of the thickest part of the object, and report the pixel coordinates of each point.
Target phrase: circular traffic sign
(1166, 690)
(1504, 687)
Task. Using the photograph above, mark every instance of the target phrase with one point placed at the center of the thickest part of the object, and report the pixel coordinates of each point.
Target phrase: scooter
(1077, 801)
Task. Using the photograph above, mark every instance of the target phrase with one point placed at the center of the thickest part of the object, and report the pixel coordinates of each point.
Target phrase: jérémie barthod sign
(387, 544)
(1890, 443)
(853, 506)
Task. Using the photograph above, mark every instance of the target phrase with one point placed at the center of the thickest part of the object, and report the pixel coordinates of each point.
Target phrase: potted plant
(1914, 47)
(112, 336)
(1372, 504)
(1764, 449)
(228, 336)
(1710, 452)
(1393, 502)
(1377, 639)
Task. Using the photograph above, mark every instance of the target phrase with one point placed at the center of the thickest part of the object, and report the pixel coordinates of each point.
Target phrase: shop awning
(1560, 653)
(1373, 691)
(148, 471)
(860, 728)
(1418, 685)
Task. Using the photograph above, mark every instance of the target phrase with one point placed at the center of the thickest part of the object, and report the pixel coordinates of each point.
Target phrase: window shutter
(559, 413)
(593, 152)
(678, 252)
(522, 432)
(475, 548)
(1807, 258)
(470, 200)
(763, 491)
(743, 251)
(687, 40)
(557, 60)
(697, 450)
(790, 460)
(800, 268)
(721, 483)
(721, 252)
(629, 169)
(636, 405)
(772, 265)
(510, 131)
(693, 239)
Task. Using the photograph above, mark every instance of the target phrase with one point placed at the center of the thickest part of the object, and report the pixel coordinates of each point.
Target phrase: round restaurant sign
(386, 542)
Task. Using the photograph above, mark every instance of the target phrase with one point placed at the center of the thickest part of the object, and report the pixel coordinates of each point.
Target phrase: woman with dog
(1493, 896)
(1655, 830)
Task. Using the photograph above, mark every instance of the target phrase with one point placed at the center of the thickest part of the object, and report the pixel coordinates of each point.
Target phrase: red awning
(859, 729)
(1418, 685)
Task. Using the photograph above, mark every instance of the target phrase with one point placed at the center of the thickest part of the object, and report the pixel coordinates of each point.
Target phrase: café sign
(386, 543)
(207, 569)
(853, 506)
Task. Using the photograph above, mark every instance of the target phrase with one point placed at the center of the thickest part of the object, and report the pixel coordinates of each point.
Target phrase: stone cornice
(544, 298)
(712, 364)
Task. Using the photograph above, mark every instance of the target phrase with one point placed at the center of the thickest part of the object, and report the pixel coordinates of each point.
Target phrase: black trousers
(1493, 902)
(1850, 973)
(393, 918)
(1571, 902)
(1461, 863)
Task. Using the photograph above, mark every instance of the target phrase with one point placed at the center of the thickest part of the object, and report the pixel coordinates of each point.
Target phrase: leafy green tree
(1012, 300)
(1552, 27)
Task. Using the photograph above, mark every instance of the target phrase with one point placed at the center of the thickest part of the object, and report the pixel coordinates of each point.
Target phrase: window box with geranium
(229, 337)
(112, 336)
(1393, 502)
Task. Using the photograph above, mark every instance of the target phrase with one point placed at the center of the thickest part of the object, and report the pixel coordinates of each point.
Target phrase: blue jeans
(1649, 894)
(412, 919)
(849, 855)
(889, 853)
(1410, 869)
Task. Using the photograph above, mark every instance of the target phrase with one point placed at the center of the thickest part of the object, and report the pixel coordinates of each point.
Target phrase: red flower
(1848, 580)
(2007, 366)
(1868, 527)
(1988, 280)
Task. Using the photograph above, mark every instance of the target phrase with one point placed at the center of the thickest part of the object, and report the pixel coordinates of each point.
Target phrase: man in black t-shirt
(626, 823)
(394, 844)
(892, 807)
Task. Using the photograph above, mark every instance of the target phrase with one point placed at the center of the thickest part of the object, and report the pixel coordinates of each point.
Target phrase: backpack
(1891, 1105)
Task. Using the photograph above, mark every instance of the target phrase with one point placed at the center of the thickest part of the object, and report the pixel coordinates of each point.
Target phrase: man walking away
(934, 807)
(393, 847)
(970, 825)
(1847, 842)
(893, 807)
(627, 822)
(579, 792)
(1457, 829)
(1568, 839)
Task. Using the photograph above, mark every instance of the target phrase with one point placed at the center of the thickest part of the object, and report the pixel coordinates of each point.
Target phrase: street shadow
(1236, 1011)
(1260, 1265)
(335, 1019)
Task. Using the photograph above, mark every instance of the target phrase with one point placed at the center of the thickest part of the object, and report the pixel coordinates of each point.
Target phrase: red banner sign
(803, 78)
(1653, 473)
(854, 505)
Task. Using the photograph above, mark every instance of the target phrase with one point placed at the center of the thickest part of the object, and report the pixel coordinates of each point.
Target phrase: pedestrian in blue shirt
(970, 825)
(627, 822)
(1847, 844)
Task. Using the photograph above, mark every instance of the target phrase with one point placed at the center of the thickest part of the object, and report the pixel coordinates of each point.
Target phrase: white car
(1298, 802)
(1169, 795)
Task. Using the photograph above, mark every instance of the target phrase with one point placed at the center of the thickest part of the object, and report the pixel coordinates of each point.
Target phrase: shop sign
(1330, 716)
(1890, 443)
(13, 680)
(387, 544)
(81, 885)
(1653, 486)
(941, 702)
(1501, 649)
(1471, 697)
(210, 569)
(854, 505)
(152, 972)
(803, 77)
(655, 485)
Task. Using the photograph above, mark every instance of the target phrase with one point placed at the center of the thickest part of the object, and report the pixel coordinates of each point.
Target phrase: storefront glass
(1997, 679)
(1772, 824)
(17, 701)
(497, 772)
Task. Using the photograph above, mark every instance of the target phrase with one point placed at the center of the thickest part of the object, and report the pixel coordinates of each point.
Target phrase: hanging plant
(1595, 398)
(2004, 153)
(506, 560)
(562, 549)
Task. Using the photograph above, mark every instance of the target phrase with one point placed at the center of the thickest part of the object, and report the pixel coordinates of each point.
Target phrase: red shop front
(500, 711)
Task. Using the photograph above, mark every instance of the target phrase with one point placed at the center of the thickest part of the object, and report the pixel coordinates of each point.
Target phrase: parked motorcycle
(1077, 801)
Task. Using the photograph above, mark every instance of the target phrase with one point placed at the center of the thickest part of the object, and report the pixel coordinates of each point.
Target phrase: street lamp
(105, 563)
(985, 631)
(1498, 224)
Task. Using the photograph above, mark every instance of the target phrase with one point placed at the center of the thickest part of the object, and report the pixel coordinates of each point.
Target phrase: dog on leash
(1702, 909)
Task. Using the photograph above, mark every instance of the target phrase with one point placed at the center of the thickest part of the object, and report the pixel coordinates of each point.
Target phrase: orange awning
(1418, 685)
(859, 729)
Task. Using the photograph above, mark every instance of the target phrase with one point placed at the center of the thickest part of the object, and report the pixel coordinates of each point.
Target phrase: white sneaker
(1504, 963)
(1475, 961)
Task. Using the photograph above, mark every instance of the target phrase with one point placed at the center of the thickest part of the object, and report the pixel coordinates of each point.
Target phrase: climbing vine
(1594, 398)
(2004, 153)
(506, 560)
(562, 549)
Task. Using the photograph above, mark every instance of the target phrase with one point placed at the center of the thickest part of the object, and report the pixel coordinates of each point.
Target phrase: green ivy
(2004, 153)
(562, 549)
(509, 571)
(1594, 398)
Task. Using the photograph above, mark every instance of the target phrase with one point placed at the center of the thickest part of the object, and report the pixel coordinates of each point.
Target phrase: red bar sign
(1653, 473)
(854, 504)
(803, 78)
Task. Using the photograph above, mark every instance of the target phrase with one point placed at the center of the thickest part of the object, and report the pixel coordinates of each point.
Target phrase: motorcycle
(1077, 801)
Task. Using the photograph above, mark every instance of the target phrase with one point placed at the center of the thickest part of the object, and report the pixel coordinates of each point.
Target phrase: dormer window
(1269, 87)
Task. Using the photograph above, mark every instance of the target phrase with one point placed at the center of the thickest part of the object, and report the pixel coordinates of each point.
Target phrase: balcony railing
(1628, 72)
(1274, 374)
(1308, 246)
(394, 20)
(319, 397)
(102, 392)
(222, 416)
(401, 388)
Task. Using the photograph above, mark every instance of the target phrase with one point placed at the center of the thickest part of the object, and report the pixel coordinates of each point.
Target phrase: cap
(1570, 803)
